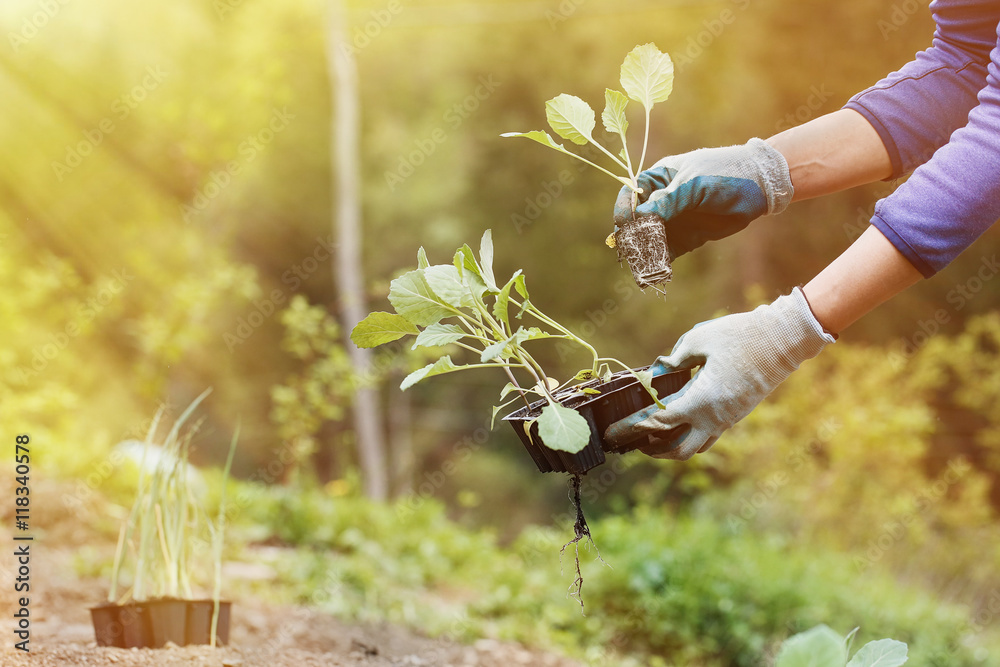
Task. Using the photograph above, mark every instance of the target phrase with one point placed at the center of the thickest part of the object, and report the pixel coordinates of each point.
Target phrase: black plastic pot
(153, 623)
(620, 396)
(199, 622)
(168, 619)
(122, 626)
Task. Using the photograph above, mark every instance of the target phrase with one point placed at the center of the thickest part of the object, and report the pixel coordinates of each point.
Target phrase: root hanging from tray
(581, 530)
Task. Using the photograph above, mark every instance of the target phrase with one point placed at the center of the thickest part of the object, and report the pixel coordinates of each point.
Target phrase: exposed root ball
(642, 243)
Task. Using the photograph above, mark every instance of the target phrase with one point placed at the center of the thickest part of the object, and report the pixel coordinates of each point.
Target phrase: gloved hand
(710, 193)
(743, 357)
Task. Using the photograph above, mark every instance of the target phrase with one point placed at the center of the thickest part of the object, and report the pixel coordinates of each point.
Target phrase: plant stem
(543, 380)
(597, 166)
(486, 318)
(628, 160)
(171, 575)
(645, 142)
(521, 354)
(610, 155)
(218, 536)
(113, 593)
(622, 364)
(572, 336)
(467, 346)
(472, 329)
(513, 381)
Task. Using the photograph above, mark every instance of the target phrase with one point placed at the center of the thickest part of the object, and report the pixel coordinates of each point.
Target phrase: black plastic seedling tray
(154, 623)
(620, 396)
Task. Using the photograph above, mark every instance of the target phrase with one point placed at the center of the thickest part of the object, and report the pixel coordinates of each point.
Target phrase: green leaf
(646, 380)
(465, 260)
(509, 387)
(541, 137)
(503, 298)
(446, 282)
(647, 75)
(563, 429)
(544, 139)
(881, 653)
(818, 647)
(521, 288)
(590, 391)
(849, 639)
(551, 384)
(422, 262)
(531, 333)
(495, 350)
(521, 335)
(613, 115)
(380, 328)
(442, 365)
(526, 425)
(584, 375)
(571, 118)
(475, 284)
(486, 257)
(497, 409)
(439, 334)
(468, 269)
(413, 298)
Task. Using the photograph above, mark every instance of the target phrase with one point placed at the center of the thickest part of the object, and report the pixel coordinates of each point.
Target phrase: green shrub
(688, 590)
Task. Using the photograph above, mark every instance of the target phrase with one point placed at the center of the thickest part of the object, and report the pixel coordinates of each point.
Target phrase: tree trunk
(347, 269)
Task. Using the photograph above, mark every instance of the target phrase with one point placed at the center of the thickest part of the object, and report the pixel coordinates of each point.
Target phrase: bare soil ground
(261, 634)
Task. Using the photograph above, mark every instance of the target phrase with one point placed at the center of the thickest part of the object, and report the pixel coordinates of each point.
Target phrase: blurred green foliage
(680, 590)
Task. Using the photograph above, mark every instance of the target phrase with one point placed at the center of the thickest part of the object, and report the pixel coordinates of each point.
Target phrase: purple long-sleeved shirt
(940, 114)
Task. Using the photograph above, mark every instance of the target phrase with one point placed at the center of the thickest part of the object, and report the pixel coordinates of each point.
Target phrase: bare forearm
(867, 274)
(832, 153)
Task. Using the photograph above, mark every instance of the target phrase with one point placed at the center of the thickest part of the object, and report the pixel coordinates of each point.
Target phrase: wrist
(776, 179)
(864, 276)
(801, 334)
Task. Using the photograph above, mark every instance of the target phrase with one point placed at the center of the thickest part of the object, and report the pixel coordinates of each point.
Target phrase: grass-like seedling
(167, 521)
(160, 517)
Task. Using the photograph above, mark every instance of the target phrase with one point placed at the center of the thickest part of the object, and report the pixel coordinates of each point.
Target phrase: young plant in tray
(463, 304)
(647, 77)
(164, 525)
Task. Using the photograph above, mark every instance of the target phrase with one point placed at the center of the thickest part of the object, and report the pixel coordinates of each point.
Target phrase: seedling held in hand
(647, 77)
(462, 304)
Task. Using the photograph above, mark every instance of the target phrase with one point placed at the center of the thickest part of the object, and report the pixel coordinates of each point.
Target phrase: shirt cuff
(903, 247)
(884, 135)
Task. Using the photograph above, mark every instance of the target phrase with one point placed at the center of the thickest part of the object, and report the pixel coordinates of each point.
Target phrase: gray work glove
(710, 193)
(743, 357)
